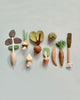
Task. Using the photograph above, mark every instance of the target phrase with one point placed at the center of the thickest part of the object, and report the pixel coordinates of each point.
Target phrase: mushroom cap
(25, 43)
(29, 57)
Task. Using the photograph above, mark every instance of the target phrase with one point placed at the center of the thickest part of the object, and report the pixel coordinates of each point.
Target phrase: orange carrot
(61, 57)
(61, 44)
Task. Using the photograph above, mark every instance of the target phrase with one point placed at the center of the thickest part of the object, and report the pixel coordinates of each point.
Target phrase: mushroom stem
(28, 59)
(28, 63)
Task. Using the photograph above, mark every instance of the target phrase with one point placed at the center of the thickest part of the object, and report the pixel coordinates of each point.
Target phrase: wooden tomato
(52, 36)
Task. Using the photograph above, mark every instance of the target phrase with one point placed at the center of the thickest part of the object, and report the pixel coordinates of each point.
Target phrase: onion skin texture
(61, 57)
(51, 38)
(37, 49)
(54, 56)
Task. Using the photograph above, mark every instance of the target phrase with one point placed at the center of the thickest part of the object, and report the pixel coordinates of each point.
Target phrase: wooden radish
(13, 55)
(46, 54)
(45, 60)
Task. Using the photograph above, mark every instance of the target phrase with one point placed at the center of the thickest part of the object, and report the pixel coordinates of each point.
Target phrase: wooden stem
(68, 55)
(45, 54)
(39, 39)
(12, 44)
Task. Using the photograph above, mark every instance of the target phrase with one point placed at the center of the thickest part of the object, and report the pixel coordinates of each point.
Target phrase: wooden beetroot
(12, 41)
(37, 37)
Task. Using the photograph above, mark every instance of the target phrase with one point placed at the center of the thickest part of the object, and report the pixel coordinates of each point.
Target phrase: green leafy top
(25, 35)
(34, 36)
(61, 44)
(52, 35)
(47, 50)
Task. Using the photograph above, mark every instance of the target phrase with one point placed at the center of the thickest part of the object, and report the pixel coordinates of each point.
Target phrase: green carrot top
(61, 44)
(25, 35)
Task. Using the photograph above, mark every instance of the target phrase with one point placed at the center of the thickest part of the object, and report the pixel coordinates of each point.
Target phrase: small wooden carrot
(54, 55)
(61, 44)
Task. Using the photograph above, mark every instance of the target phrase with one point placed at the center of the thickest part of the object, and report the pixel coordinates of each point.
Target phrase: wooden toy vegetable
(25, 43)
(54, 55)
(12, 47)
(28, 60)
(69, 39)
(13, 55)
(61, 44)
(37, 37)
(46, 53)
(52, 36)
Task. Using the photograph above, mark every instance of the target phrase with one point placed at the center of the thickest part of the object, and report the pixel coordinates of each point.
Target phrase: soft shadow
(51, 43)
(25, 67)
(68, 68)
(45, 66)
(31, 42)
(9, 61)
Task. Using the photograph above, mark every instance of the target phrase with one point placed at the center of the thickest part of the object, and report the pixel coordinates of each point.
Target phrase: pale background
(40, 82)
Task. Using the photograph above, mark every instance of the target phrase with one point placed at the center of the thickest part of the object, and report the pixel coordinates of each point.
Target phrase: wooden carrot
(61, 44)
(54, 55)
(61, 57)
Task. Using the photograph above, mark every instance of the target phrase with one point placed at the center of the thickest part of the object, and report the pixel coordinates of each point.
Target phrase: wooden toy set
(37, 38)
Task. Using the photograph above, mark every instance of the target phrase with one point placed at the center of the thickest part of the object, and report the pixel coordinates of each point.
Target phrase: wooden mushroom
(25, 43)
(28, 60)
